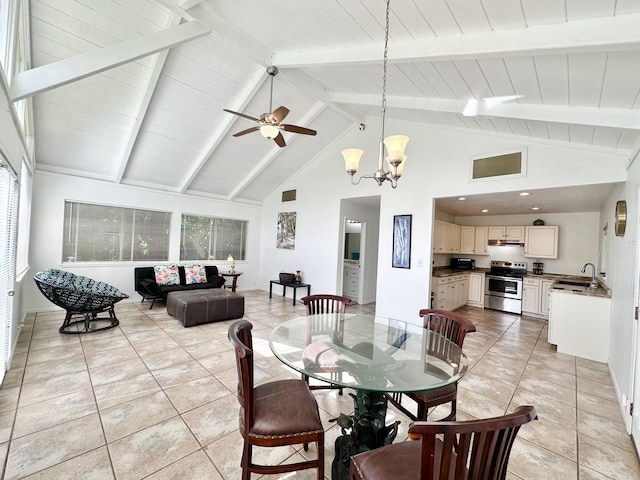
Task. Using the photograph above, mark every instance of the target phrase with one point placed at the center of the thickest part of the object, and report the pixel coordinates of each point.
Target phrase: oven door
(507, 287)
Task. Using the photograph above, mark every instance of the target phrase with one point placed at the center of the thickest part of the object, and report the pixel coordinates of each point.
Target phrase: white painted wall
(437, 166)
(622, 261)
(578, 240)
(51, 190)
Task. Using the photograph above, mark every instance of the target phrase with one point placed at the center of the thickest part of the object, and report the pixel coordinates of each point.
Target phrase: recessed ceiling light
(535, 208)
(462, 198)
(524, 194)
(484, 210)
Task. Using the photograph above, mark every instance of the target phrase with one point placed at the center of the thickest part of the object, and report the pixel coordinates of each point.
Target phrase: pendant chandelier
(395, 144)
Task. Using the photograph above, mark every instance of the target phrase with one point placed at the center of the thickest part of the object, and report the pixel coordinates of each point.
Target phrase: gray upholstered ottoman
(194, 307)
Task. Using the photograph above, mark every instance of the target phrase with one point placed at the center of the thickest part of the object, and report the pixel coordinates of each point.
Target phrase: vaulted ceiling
(133, 91)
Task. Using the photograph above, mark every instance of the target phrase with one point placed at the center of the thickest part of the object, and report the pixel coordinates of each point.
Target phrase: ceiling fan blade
(297, 129)
(280, 140)
(242, 115)
(279, 114)
(248, 130)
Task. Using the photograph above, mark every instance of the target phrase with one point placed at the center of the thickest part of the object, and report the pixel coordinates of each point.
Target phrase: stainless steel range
(503, 286)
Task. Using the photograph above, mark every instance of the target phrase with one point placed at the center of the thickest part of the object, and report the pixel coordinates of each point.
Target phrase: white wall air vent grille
(288, 196)
(511, 164)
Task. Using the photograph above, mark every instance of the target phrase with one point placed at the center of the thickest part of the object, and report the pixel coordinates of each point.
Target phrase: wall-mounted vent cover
(511, 164)
(288, 196)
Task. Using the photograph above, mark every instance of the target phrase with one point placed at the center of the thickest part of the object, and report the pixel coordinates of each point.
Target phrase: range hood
(494, 243)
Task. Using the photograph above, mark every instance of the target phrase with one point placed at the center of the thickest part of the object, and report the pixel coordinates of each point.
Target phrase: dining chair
(274, 414)
(454, 327)
(317, 305)
(469, 450)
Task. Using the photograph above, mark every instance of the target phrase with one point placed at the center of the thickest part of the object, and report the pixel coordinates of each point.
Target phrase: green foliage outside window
(212, 238)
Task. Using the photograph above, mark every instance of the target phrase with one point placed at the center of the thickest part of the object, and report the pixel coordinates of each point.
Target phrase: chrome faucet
(594, 281)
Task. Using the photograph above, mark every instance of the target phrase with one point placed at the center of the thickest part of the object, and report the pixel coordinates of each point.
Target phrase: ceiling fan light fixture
(269, 131)
(395, 144)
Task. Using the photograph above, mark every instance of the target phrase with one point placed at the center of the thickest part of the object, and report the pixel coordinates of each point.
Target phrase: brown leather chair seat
(376, 464)
(284, 408)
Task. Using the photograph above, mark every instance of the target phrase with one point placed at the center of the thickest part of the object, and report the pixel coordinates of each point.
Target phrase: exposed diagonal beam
(599, 117)
(317, 108)
(46, 77)
(591, 35)
(222, 131)
(143, 106)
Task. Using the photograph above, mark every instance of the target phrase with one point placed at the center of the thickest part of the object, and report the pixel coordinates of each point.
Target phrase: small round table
(234, 283)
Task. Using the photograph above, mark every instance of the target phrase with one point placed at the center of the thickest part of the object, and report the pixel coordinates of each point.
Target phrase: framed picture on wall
(286, 230)
(401, 241)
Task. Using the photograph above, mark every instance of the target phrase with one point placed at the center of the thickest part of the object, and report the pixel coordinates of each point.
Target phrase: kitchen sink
(573, 283)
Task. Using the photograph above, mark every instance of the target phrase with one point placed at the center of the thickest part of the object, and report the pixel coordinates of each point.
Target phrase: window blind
(8, 239)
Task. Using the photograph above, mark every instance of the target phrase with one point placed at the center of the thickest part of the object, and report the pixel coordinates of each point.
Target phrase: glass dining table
(372, 355)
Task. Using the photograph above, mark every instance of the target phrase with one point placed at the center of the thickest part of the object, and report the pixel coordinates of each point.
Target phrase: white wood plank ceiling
(132, 91)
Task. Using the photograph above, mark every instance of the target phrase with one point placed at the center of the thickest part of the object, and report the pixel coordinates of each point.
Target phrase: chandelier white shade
(395, 144)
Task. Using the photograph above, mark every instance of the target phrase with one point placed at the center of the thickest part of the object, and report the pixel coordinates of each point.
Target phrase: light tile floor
(151, 399)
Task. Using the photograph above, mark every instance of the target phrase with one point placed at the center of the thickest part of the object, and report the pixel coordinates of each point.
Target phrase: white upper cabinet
(467, 240)
(541, 242)
(509, 232)
(481, 239)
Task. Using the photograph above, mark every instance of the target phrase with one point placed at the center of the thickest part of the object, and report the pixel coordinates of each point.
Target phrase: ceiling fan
(269, 124)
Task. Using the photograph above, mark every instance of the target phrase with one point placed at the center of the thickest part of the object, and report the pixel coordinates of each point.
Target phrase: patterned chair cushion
(167, 274)
(195, 274)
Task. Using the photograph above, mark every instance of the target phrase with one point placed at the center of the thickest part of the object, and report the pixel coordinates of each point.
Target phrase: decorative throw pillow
(167, 274)
(195, 274)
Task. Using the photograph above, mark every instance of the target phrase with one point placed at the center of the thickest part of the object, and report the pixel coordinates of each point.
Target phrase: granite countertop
(602, 290)
(448, 271)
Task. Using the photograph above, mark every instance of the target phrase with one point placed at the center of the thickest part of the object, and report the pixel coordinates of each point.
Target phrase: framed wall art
(286, 230)
(401, 241)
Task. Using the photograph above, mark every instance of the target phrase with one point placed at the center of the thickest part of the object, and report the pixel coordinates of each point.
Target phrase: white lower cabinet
(535, 296)
(450, 292)
(475, 298)
(531, 295)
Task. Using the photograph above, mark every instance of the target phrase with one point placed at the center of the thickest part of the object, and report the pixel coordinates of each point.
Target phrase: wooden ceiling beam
(590, 116)
(46, 77)
(603, 34)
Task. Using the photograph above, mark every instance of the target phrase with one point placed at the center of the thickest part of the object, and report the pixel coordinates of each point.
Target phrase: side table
(234, 283)
(293, 285)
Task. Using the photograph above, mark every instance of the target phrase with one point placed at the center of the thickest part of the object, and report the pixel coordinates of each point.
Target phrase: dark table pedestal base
(364, 430)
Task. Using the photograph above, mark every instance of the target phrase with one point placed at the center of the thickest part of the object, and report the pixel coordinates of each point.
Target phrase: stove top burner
(508, 269)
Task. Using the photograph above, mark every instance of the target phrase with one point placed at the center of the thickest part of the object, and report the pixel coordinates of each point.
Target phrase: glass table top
(368, 352)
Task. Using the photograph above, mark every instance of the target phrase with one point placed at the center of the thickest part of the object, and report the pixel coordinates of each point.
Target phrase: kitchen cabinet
(446, 237)
(452, 238)
(439, 237)
(579, 325)
(473, 240)
(535, 296)
(531, 296)
(475, 296)
(450, 292)
(545, 291)
(508, 232)
(481, 241)
(541, 242)
(467, 240)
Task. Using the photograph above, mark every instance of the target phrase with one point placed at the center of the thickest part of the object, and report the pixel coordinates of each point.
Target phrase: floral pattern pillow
(195, 274)
(167, 274)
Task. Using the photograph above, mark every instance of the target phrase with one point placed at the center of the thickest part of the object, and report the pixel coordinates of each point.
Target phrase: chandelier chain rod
(384, 68)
